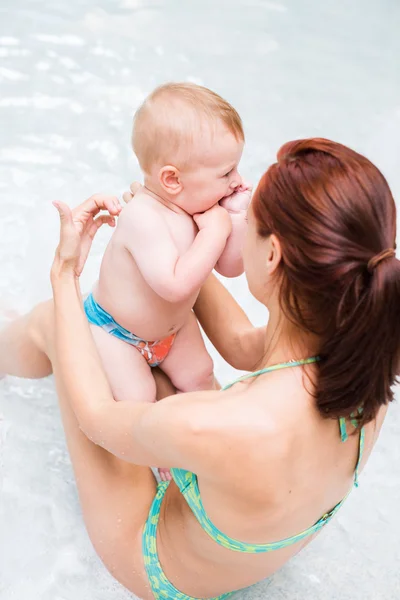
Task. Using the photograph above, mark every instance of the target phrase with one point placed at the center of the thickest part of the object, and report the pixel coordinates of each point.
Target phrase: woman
(276, 454)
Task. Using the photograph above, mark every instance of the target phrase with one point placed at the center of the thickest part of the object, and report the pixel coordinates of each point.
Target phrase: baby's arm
(147, 238)
(230, 263)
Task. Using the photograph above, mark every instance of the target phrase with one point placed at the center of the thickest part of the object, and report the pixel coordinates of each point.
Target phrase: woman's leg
(115, 495)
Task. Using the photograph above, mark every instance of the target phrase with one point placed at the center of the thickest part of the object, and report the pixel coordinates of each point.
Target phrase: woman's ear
(274, 254)
(170, 180)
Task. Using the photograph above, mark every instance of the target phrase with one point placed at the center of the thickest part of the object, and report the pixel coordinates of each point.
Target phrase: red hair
(332, 211)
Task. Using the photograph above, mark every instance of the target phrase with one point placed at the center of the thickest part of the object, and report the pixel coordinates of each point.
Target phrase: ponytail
(360, 361)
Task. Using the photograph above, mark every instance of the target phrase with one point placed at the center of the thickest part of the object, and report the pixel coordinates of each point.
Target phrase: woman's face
(255, 257)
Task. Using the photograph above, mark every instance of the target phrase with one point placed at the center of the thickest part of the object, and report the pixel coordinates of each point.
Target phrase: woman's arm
(230, 263)
(171, 433)
(227, 326)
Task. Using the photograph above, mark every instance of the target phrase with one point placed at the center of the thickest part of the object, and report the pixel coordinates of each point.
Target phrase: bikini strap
(286, 365)
(360, 455)
(353, 421)
(343, 429)
(344, 437)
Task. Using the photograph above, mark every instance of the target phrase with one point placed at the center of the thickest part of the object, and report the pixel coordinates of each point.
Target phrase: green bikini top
(188, 485)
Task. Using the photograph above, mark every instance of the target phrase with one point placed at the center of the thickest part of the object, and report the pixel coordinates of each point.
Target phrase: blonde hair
(165, 124)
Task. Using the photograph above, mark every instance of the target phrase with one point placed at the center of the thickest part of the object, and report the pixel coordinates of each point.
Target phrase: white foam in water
(12, 75)
(58, 79)
(132, 4)
(13, 52)
(60, 40)
(68, 62)
(107, 149)
(42, 66)
(106, 52)
(9, 41)
(71, 77)
(275, 6)
(40, 102)
(51, 140)
(26, 155)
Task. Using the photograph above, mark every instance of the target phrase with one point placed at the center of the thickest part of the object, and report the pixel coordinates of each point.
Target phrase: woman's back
(284, 468)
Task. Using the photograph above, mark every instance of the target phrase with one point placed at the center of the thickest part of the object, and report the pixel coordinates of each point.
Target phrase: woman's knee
(24, 352)
(41, 330)
(40, 326)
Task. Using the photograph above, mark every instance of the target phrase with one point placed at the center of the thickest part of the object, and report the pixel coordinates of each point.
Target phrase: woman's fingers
(67, 226)
(64, 211)
(99, 202)
(127, 197)
(112, 204)
(134, 188)
(84, 214)
(68, 247)
(97, 223)
(78, 227)
(93, 205)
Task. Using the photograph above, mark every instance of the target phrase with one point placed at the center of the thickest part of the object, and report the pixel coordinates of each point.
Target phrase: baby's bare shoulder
(141, 210)
(140, 204)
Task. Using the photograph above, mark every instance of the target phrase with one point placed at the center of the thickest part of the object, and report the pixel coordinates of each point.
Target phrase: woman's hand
(134, 188)
(77, 230)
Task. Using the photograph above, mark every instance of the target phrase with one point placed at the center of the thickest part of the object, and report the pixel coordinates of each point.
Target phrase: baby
(188, 218)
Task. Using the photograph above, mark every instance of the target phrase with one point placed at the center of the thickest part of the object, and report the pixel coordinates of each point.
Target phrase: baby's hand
(216, 217)
(238, 201)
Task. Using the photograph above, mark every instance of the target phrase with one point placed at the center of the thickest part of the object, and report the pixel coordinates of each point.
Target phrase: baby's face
(214, 174)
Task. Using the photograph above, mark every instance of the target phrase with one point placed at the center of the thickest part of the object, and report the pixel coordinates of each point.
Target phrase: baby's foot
(165, 474)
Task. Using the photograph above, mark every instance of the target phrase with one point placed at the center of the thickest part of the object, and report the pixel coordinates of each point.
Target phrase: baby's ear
(170, 180)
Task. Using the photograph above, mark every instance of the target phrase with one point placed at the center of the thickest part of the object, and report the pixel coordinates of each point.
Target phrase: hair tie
(375, 260)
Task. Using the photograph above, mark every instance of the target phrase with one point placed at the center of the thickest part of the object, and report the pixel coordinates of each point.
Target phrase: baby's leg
(188, 365)
(128, 373)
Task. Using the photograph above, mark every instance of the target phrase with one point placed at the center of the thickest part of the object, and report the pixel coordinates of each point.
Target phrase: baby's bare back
(123, 291)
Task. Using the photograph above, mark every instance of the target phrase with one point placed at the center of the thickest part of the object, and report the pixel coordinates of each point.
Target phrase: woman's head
(326, 219)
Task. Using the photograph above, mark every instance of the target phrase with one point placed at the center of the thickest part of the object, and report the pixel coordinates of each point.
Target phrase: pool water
(71, 75)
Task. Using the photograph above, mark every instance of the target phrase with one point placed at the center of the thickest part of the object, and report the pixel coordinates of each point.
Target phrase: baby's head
(188, 141)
